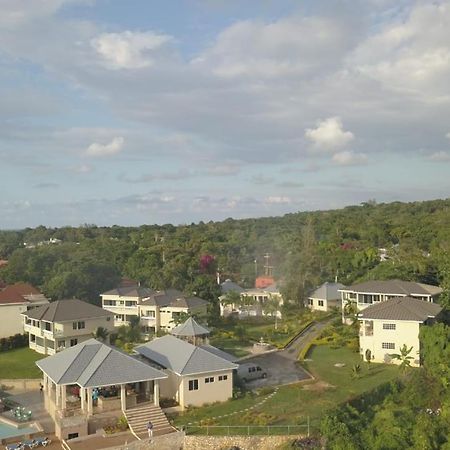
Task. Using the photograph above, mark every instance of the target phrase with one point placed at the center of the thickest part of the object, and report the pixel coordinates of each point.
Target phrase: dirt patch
(319, 386)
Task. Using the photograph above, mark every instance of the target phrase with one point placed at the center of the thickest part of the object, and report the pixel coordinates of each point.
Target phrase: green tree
(101, 334)
(404, 357)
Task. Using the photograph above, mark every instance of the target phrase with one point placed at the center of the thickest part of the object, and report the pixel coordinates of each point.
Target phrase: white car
(249, 371)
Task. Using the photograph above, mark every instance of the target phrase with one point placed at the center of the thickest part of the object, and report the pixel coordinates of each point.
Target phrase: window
(108, 319)
(310, 301)
(193, 385)
(320, 302)
(78, 325)
(389, 326)
(73, 342)
(388, 345)
(72, 436)
(109, 302)
(47, 326)
(223, 377)
(149, 313)
(129, 303)
(61, 344)
(120, 317)
(209, 380)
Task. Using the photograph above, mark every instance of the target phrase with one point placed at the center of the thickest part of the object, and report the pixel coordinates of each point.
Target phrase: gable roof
(230, 286)
(394, 287)
(182, 357)
(189, 328)
(216, 351)
(130, 291)
(93, 363)
(174, 298)
(401, 308)
(328, 291)
(20, 293)
(66, 310)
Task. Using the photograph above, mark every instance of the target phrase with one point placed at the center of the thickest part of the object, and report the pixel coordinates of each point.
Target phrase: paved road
(281, 366)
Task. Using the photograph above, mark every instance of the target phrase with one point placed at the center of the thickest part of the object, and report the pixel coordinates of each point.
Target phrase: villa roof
(401, 308)
(95, 364)
(216, 351)
(230, 286)
(130, 291)
(66, 310)
(394, 287)
(173, 298)
(182, 357)
(20, 293)
(189, 328)
(328, 291)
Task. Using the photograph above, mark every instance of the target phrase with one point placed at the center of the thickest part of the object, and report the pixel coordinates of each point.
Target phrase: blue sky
(131, 112)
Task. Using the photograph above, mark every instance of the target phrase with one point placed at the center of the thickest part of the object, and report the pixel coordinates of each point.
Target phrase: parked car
(249, 371)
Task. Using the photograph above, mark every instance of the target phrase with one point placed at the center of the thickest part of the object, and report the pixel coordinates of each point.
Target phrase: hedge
(12, 342)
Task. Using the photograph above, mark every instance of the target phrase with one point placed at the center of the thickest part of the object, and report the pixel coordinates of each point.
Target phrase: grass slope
(293, 403)
(19, 363)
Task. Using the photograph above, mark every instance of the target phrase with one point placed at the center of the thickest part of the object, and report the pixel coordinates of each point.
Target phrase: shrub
(13, 342)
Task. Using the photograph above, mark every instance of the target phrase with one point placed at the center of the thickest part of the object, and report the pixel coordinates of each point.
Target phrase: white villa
(325, 297)
(195, 375)
(16, 299)
(157, 310)
(252, 300)
(386, 326)
(65, 323)
(362, 295)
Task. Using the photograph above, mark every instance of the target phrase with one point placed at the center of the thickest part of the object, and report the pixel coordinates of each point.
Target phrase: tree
(101, 334)
(271, 307)
(404, 358)
(356, 371)
(368, 357)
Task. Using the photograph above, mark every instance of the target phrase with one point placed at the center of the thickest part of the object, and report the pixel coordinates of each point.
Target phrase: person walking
(150, 429)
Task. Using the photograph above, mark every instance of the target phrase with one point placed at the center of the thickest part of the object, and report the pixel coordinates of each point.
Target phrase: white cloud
(440, 156)
(277, 200)
(329, 134)
(112, 148)
(349, 158)
(128, 50)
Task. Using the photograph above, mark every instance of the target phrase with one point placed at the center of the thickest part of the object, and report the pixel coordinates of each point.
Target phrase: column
(58, 395)
(123, 397)
(63, 397)
(83, 399)
(156, 392)
(90, 405)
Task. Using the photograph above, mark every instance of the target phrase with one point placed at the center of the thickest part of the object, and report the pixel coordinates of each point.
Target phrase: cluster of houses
(87, 382)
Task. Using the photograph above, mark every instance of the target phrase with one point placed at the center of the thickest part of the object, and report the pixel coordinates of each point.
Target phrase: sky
(134, 112)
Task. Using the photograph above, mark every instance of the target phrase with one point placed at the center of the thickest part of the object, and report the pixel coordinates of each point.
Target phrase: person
(41, 388)
(150, 429)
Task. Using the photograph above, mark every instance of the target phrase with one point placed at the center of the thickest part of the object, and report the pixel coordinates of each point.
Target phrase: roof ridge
(107, 353)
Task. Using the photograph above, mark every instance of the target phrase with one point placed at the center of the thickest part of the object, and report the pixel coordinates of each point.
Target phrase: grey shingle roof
(395, 287)
(402, 308)
(189, 328)
(94, 364)
(328, 291)
(182, 357)
(66, 310)
(174, 298)
(216, 351)
(131, 291)
(230, 286)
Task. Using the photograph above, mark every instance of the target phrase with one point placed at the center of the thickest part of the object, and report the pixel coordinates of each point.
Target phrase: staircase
(138, 419)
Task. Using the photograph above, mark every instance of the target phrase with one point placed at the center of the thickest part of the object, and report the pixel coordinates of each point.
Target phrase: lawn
(19, 363)
(237, 336)
(293, 403)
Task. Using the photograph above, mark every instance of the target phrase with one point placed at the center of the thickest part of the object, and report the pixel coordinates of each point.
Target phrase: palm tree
(404, 358)
(101, 334)
(231, 298)
(271, 307)
(356, 371)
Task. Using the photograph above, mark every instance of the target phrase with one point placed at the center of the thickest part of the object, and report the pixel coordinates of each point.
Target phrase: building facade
(65, 323)
(325, 297)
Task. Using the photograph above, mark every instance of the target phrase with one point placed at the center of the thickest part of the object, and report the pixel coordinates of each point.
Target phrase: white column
(156, 392)
(63, 397)
(83, 399)
(123, 397)
(58, 395)
(90, 406)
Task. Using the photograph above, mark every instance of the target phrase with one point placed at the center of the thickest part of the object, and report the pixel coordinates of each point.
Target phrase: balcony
(148, 321)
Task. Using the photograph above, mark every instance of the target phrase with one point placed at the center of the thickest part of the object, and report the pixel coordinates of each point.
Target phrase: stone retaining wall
(21, 384)
(243, 442)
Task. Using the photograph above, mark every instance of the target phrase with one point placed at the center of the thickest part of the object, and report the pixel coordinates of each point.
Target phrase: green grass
(19, 363)
(293, 403)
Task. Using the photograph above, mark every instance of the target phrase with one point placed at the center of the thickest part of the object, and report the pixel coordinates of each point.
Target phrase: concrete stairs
(138, 418)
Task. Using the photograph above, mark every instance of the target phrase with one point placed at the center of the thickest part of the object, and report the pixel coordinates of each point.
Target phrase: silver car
(249, 371)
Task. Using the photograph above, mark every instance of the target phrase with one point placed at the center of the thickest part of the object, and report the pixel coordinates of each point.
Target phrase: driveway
(282, 366)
